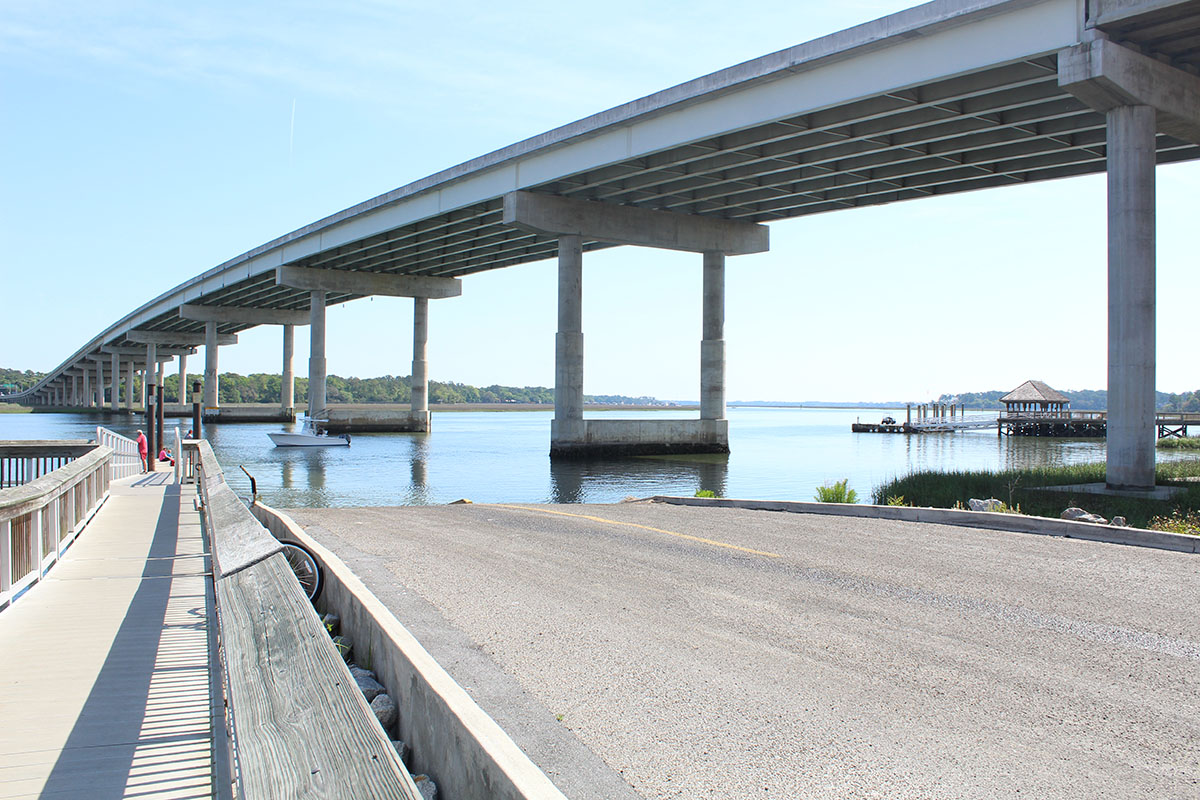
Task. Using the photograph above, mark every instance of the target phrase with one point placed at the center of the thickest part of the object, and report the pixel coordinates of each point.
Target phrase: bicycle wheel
(306, 568)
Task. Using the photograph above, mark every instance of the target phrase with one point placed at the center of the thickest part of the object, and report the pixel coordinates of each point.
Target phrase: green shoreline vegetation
(267, 388)
(1031, 491)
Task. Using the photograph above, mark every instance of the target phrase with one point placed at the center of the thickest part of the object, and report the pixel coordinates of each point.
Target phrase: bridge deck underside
(1003, 127)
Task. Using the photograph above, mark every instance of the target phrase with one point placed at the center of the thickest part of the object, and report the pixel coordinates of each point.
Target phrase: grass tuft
(837, 492)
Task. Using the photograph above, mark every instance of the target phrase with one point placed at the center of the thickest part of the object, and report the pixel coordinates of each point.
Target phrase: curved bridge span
(949, 96)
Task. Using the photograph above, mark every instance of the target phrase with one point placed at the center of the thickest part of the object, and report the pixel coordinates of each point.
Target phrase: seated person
(165, 455)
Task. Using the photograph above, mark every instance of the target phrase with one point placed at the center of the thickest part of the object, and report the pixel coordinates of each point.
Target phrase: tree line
(263, 387)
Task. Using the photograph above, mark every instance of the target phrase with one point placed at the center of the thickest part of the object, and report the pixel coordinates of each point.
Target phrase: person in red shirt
(143, 448)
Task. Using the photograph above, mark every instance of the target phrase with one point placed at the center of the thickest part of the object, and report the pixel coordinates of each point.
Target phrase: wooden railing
(300, 725)
(126, 461)
(40, 518)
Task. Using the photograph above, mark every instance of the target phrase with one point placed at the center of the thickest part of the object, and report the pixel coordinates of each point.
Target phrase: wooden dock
(104, 664)
(1063, 424)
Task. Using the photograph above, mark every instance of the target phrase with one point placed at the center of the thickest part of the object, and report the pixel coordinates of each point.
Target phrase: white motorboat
(309, 436)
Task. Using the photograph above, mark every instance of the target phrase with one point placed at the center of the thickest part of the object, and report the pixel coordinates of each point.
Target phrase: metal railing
(42, 517)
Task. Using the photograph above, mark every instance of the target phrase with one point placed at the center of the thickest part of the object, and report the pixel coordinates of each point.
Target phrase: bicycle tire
(306, 569)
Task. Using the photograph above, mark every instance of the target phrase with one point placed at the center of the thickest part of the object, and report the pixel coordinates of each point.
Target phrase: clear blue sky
(145, 142)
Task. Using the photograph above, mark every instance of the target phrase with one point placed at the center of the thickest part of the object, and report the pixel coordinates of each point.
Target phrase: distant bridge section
(946, 97)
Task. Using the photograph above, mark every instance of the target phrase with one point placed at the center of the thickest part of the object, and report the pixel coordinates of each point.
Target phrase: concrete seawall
(452, 739)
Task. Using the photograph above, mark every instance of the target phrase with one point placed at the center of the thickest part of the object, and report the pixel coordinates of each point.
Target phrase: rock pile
(382, 704)
(1079, 515)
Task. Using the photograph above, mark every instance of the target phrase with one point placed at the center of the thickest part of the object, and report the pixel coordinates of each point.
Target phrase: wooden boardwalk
(104, 668)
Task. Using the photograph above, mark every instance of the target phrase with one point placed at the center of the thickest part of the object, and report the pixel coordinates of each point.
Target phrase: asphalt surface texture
(684, 652)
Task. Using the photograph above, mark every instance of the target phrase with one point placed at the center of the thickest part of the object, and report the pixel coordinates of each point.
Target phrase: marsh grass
(1173, 443)
(1030, 491)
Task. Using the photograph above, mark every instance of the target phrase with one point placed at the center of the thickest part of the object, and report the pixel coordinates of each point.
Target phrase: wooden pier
(1061, 424)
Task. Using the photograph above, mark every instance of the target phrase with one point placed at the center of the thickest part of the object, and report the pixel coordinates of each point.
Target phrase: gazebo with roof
(1034, 398)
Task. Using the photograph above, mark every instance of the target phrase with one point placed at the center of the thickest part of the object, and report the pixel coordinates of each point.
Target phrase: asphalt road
(703, 652)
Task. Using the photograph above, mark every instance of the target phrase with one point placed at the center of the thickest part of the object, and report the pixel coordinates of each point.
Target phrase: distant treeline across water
(266, 388)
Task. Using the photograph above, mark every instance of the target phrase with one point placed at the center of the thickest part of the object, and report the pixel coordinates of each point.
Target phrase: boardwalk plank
(104, 665)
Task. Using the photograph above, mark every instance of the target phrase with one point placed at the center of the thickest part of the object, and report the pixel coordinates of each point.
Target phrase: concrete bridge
(950, 96)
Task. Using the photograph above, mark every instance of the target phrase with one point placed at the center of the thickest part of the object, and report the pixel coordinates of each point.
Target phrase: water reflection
(418, 456)
(600, 481)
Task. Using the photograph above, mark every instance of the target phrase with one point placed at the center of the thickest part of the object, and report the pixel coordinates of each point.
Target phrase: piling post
(196, 409)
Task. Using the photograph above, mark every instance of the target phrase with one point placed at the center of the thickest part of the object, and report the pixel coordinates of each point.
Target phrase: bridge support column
(1139, 96)
(419, 388)
(211, 389)
(568, 426)
(86, 399)
(129, 386)
(287, 388)
(115, 400)
(316, 353)
(1131, 301)
(712, 345)
(182, 393)
(100, 384)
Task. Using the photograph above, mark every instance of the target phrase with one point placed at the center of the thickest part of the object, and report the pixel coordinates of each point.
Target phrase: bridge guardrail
(299, 724)
(42, 517)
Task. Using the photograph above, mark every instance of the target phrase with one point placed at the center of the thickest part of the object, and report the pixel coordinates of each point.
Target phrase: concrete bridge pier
(1140, 97)
(1131, 300)
(568, 424)
(115, 400)
(182, 393)
(99, 399)
(712, 346)
(421, 288)
(85, 400)
(575, 221)
(211, 374)
(129, 386)
(316, 354)
(287, 389)
(419, 381)
(214, 316)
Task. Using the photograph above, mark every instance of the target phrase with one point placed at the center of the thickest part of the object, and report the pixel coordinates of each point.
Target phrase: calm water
(778, 453)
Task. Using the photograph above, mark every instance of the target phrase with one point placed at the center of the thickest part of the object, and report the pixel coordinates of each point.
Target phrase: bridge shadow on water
(145, 727)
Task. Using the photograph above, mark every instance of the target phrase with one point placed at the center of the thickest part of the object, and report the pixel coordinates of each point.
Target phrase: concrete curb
(1012, 523)
(452, 738)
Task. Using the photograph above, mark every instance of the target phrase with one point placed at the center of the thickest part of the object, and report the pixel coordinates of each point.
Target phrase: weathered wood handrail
(41, 518)
(126, 461)
(301, 726)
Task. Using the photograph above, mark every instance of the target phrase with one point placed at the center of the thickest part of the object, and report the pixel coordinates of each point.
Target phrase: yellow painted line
(700, 539)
